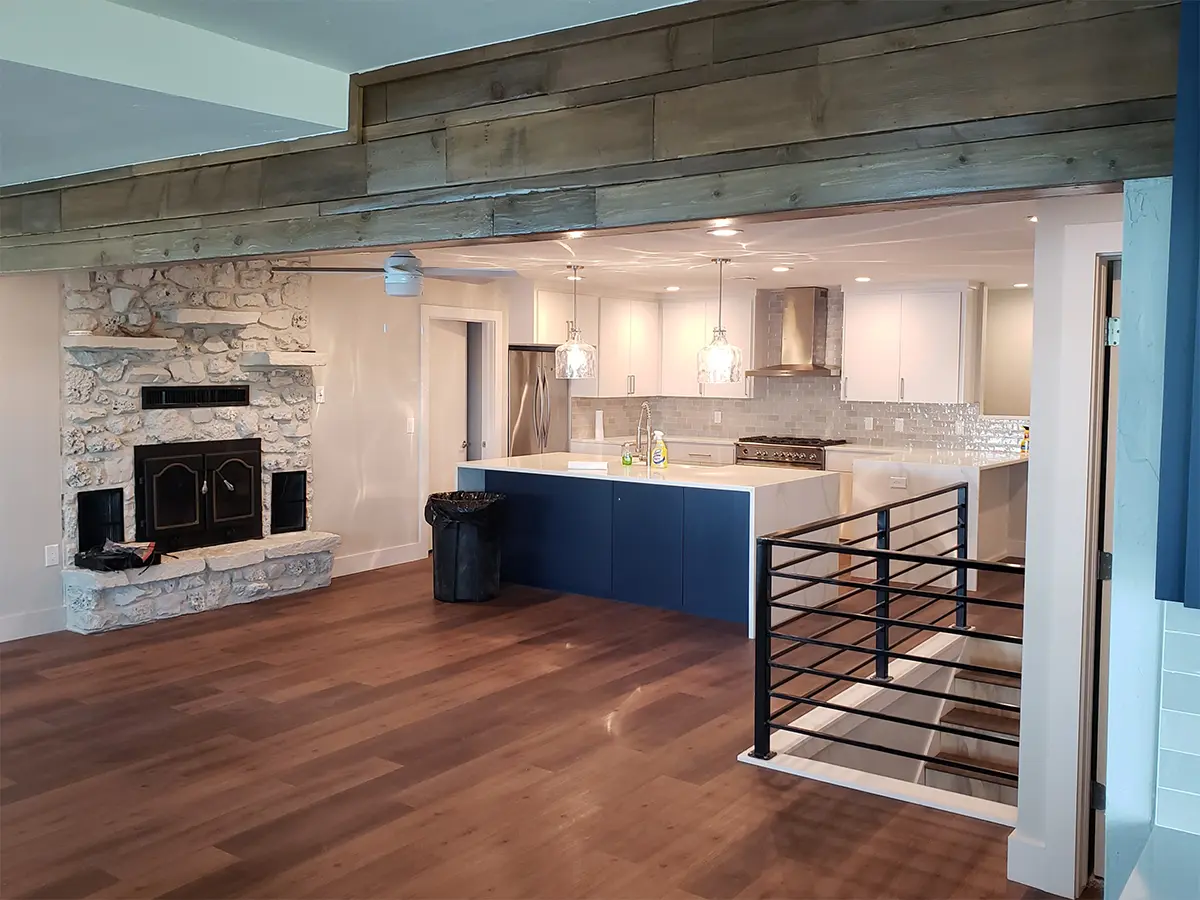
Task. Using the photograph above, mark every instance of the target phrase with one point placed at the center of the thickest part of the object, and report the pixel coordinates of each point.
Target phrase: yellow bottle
(658, 452)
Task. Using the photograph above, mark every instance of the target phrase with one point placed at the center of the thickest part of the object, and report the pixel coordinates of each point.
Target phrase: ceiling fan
(404, 276)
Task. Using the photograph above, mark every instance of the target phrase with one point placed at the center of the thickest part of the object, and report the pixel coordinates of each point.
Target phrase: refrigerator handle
(548, 410)
(538, 401)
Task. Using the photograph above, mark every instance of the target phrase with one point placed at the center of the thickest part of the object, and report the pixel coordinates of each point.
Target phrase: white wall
(365, 464)
(1007, 352)
(31, 597)
(1044, 850)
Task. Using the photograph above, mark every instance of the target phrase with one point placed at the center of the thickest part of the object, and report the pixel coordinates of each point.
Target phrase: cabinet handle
(701, 455)
(901, 388)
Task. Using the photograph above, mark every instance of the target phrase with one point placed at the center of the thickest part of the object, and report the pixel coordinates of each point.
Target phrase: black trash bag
(466, 544)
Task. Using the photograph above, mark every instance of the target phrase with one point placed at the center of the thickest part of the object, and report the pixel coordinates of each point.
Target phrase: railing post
(762, 653)
(882, 596)
(960, 613)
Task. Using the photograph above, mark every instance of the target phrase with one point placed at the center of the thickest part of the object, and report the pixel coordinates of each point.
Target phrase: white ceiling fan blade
(469, 276)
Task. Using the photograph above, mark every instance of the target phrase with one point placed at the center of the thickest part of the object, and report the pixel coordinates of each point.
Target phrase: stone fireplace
(178, 434)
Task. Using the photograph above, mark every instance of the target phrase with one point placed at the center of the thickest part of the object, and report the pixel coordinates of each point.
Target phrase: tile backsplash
(809, 406)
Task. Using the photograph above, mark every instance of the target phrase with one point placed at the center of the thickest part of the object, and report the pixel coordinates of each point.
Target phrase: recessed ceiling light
(721, 223)
(1021, 285)
(671, 288)
(862, 279)
(725, 232)
(1033, 218)
(574, 278)
(781, 268)
(574, 235)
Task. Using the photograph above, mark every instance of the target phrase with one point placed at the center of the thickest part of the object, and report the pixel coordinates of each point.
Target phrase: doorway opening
(474, 390)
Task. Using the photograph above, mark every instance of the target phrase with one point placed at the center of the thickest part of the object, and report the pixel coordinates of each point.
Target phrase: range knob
(760, 454)
(813, 456)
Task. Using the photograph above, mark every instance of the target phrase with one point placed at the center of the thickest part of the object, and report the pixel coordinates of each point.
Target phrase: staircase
(982, 721)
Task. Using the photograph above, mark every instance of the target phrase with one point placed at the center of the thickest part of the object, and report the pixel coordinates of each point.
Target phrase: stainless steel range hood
(789, 333)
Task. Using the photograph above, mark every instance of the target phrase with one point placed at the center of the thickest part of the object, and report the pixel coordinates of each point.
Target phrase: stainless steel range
(798, 452)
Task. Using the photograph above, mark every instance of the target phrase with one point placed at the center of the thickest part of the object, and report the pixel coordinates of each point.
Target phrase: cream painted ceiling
(992, 243)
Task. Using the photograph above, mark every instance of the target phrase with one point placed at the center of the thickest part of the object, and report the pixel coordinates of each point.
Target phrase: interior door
(614, 348)
(930, 346)
(871, 347)
(682, 336)
(447, 403)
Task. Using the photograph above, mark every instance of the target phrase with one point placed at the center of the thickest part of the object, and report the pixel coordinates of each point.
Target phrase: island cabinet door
(716, 554)
(647, 558)
(557, 532)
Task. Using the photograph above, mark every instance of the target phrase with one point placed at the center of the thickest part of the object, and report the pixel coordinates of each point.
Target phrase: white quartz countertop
(726, 478)
(683, 439)
(974, 459)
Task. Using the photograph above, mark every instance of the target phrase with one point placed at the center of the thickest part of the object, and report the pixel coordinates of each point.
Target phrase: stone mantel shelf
(234, 318)
(117, 342)
(282, 359)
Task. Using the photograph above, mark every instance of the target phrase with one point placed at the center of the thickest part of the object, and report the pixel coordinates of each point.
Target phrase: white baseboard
(1017, 549)
(354, 563)
(15, 626)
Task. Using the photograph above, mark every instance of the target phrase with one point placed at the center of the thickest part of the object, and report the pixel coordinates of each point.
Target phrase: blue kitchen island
(682, 538)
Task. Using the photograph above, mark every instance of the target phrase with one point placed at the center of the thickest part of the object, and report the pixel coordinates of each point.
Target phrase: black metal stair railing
(867, 658)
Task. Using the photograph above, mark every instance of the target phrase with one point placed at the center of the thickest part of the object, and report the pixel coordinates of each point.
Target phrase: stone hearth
(193, 581)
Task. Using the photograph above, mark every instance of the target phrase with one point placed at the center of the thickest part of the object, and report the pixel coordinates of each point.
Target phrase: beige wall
(31, 594)
(1007, 352)
(365, 464)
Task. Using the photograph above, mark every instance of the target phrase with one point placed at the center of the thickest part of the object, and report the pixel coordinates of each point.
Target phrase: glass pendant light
(575, 358)
(720, 362)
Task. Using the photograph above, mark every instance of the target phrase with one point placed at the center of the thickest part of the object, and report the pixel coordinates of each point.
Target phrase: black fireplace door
(199, 493)
(175, 500)
(234, 493)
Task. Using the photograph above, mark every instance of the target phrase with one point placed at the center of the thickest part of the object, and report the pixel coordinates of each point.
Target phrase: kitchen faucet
(640, 451)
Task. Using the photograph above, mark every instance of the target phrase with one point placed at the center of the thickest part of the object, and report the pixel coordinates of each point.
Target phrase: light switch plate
(412, 425)
(899, 424)
(900, 482)
(716, 417)
(320, 393)
(51, 555)
(959, 429)
(869, 423)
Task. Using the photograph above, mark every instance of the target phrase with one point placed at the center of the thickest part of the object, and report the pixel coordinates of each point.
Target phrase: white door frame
(493, 390)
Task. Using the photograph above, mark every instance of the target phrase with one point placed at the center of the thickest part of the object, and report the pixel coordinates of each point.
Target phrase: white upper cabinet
(931, 347)
(871, 347)
(551, 317)
(684, 332)
(629, 348)
(910, 346)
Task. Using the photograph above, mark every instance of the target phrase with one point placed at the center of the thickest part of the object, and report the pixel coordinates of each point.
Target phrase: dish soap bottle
(658, 452)
(1025, 439)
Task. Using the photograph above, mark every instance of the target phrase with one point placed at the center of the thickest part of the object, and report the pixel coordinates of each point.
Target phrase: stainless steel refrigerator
(539, 404)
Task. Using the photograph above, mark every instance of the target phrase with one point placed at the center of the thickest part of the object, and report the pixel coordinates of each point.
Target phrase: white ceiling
(358, 35)
(992, 243)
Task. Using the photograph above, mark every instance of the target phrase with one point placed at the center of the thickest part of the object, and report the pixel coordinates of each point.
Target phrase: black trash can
(466, 544)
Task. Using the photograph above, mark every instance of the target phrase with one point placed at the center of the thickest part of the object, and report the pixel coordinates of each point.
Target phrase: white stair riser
(980, 750)
(996, 654)
(971, 787)
(982, 690)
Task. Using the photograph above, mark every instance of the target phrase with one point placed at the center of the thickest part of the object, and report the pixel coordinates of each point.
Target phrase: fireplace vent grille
(199, 397)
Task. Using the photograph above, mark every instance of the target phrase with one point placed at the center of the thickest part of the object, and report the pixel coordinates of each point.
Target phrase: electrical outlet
(899, 482)
(899, 424)
(716, 417)
(385, 327)
(320, 393)
(412, 425)
(51, 555)
(869, 423)
(959, 429)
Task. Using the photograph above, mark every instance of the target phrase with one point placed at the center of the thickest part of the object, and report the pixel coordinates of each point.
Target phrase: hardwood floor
(365, 741)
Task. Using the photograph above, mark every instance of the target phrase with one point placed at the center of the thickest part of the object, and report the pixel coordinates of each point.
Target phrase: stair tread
(982, 721)
(1013, 681)
(950, 769)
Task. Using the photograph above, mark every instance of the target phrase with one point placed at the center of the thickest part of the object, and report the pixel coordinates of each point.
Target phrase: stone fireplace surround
(207, 316)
